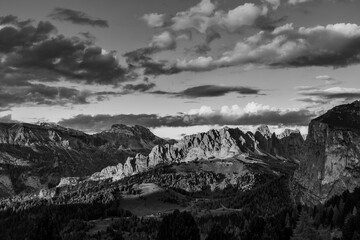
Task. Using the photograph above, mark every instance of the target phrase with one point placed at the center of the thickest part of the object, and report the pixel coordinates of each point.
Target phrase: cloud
(273, 3)
(294, 2)
(15, 33)
(32, 53)
(163, 41)
(243, 15)
(336, 45)
(211, 91)
(203, 17)
(210, 36)
(141, 59)
(76, 17)
(324, 77)
(328, 80)
(141, 87)
(155, 20)
(38, 52)
(252, 114)
(35, 94)
(333, 93)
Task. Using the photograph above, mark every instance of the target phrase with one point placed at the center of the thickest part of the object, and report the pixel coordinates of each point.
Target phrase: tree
(217, 233)
(356, 236)
(178, 226)
(305, 229)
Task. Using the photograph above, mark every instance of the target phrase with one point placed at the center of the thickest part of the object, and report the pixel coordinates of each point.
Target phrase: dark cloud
(76, 17)
(141, 87)
(17, 34)
(38, 53)
(69, 57)
(216, 91)
(210, 91)
(271, 117)
(142, 59)
(41, 94)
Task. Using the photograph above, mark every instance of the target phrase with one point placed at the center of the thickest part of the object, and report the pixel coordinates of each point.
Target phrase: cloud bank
(251, 114)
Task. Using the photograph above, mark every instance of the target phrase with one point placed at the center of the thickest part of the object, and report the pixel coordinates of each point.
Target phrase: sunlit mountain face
(179, 119)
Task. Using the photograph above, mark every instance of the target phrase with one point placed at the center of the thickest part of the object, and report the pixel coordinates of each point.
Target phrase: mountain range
(51, 175)
(34, 157)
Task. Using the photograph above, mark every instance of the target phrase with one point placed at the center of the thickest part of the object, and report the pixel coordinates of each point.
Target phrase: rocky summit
(330, 163)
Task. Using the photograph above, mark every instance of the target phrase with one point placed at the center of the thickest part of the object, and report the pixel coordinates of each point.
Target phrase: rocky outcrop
(34, 157)
(330, 163)
(132, 165)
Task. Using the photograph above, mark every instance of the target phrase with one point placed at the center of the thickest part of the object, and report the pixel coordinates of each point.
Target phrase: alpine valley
(127, 183)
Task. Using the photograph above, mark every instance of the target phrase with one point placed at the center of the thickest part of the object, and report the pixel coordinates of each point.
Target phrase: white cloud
(163, 41)
(273, 3)
(243, 15)
(154, 19)
(323, 77)
(203, 16)
(337, 43)
(197, 17)
(294, 2)
(202, 111)
(205, 7)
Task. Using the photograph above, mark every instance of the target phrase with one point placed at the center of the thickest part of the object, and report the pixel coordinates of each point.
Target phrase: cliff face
(330, 163)
(38, 156)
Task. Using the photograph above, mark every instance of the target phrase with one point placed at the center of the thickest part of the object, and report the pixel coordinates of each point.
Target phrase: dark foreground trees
(178, 226)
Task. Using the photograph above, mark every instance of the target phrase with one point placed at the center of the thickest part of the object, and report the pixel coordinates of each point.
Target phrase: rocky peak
(288, 133)
(264, 131)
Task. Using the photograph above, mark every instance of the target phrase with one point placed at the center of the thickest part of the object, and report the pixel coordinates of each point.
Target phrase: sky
(177, 66)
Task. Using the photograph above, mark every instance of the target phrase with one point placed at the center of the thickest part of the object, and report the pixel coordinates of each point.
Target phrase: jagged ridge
(214, 144)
